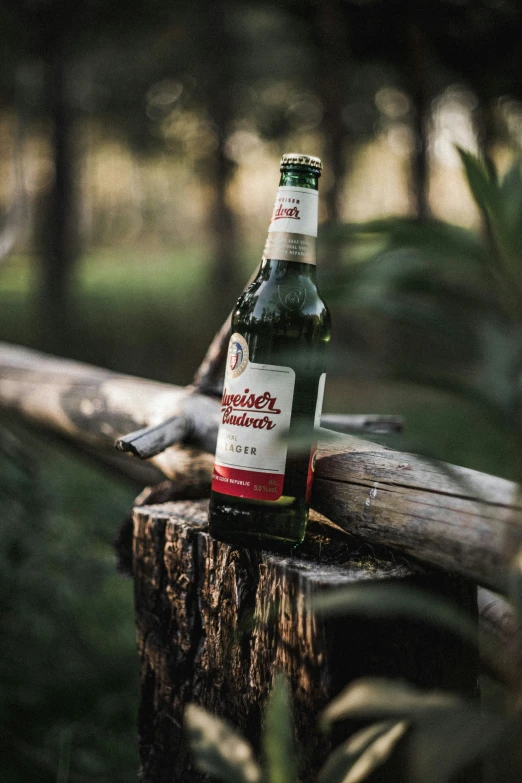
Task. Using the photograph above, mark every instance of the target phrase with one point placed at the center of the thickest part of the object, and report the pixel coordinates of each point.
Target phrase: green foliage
(501, 208)
(379, 602)
(223, 753)
(383, 699)
(69, 670)
(360, 755)
(447, 734)
(279, 751)
(218, 749)
(440, 305)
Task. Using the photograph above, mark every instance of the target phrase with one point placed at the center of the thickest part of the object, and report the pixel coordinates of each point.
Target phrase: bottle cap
(296, 159)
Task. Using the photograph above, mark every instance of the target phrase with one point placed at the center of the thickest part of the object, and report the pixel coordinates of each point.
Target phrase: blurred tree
(51, 36)
(433, 44)
(334, 56)
(479, 42)
(215, 64)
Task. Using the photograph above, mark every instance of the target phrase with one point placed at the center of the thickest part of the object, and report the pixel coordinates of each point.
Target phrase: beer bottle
(274, 378)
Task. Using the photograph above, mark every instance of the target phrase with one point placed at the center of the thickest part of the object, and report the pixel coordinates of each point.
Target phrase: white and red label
(293, 228)
(255, 418)
(295, 210)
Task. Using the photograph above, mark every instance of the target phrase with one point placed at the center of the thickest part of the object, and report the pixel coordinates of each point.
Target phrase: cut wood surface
(216, 623)
(455, 518)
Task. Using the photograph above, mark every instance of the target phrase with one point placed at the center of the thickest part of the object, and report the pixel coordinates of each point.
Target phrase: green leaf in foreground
(516, 592)
(483, 188)
(385, 602)
(356, 758)
(218, 749)
(377, 697)
(447, 743)
(278, 737)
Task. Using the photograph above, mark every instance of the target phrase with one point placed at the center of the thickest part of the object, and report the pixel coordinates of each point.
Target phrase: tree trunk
(421, 97)
(216, 623)
(58, 227)
(333, 54)
(218, 48)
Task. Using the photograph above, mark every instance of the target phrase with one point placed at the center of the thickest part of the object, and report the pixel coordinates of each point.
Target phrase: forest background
(139, 151)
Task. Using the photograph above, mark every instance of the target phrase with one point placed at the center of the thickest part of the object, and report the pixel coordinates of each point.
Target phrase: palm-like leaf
(360, 755)
(218, 749)
(382, 699)
(501, 207)
(439, 305)
(448, 743)
(379, 601)
(278, 736)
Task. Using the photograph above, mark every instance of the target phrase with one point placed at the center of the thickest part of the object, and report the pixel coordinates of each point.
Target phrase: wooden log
(498, 621)
(362, 423)
(455, 518)
(215, 623)
(467, 522)
(94, 407)
(149, 441)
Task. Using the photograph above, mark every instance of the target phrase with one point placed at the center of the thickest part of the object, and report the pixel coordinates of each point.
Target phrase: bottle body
(273, 394)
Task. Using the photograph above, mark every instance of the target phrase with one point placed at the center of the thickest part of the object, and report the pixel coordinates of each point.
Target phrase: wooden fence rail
(463, 521)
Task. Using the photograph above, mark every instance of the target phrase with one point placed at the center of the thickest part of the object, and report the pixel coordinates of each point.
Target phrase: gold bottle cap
(296, 159)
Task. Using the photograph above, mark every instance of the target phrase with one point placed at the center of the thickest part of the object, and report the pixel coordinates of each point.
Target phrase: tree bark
(215, 623)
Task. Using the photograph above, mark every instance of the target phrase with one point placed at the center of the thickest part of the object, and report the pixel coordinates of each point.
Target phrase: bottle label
(255, 418)
(293, 228)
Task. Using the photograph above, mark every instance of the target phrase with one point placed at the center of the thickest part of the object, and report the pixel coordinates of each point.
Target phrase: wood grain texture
(452, 517)
(94, 407)
(464, 521)
(215, 623)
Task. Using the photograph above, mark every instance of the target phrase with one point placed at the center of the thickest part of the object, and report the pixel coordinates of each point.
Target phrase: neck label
(293, 228)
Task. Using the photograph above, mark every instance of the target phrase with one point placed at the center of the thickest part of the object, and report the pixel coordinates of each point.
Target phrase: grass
(141, 312)
(69, 674)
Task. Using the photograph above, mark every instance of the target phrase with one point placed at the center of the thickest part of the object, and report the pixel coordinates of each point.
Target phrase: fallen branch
(93, 408)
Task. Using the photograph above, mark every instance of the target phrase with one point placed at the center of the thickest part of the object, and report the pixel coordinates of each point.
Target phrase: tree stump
(215, 623)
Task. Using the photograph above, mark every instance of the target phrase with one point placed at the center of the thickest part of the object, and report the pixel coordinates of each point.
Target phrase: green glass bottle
(274, 378)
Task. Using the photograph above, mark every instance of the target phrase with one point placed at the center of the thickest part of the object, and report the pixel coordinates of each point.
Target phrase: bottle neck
(292, 231)
(278, 271)
(299, 177)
